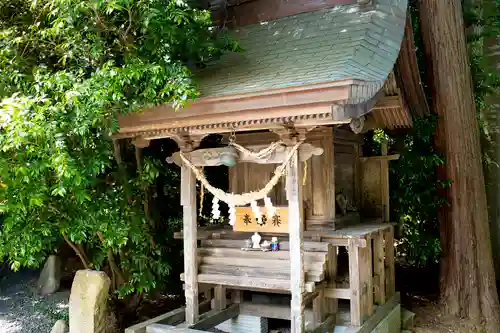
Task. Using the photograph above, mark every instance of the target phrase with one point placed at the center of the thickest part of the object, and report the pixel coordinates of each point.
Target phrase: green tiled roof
(344, 42)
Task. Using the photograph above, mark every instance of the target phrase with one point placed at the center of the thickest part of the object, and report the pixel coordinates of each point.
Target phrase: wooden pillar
(318, 305)
(361, 281)
(296, 229)
(366, 272)
(354, 282)
(379, 268)
(331, 303)
(188, 202)
(384, 182)
(390, 287)
(220, 300)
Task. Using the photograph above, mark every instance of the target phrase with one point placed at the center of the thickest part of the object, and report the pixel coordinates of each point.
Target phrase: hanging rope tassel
(202, 194)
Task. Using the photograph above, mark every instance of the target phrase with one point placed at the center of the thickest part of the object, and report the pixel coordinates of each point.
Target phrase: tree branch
(112, 263)
(78, 252)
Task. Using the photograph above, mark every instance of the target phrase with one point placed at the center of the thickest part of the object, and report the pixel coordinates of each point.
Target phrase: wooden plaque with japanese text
(246, 222)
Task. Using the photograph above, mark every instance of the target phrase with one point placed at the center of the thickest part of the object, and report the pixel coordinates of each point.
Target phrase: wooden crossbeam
(338, 293)
(250, 282)
(215, 317)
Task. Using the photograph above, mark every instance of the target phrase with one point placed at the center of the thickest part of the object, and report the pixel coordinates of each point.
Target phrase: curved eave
(320, 104)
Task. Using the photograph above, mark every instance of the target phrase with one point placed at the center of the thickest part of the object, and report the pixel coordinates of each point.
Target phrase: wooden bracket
(187, 142)
(141, 142)
(290, 134)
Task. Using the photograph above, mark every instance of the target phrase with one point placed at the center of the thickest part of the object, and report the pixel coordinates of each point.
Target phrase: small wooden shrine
(293, 108)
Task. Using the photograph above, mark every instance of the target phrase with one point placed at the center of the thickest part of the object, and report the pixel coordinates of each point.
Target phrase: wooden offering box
(246, 221)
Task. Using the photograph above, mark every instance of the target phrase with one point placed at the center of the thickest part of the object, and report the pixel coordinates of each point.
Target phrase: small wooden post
(319, 308)
(220, 300)
(379, 268)
(188, 202)
(390, 287)
(384, 182)
(361, 281)
(296, 228)
(236, 296)
(355, 283)
(366, 272)
(331, 303)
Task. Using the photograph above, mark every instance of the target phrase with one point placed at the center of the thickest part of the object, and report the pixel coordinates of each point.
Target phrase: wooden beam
(381, 158)
(173, 317)
(250, 282)
(190, 228)
(216, 156)
(296, 228)
(380, 314)
(326, 237)
(275, 311)
(326, 326)
(215, 317)
(158, 328)
(170, 318)
(338, 293)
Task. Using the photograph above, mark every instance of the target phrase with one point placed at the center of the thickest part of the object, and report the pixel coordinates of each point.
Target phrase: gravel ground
(22, 310)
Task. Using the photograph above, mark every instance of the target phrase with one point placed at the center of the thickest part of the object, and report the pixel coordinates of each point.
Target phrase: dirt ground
(430, 319)
(419, 293)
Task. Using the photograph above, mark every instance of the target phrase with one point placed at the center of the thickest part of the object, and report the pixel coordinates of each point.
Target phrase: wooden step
(314, 276)
(284, 245)
(282, 265)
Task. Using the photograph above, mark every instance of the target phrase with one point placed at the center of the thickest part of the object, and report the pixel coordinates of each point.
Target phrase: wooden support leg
(355, 283)
(366, 271)
(296, 228)
(390, 287)
(220, 300)
(379, 268)
(319, 308)
(188, 201)
(331, 304)
(361, 282)
(236, 296)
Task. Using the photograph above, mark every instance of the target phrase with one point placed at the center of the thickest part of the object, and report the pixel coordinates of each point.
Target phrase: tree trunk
(468, 286)
(492, 101)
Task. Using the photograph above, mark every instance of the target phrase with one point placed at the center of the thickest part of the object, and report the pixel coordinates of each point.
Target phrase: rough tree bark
(492, 52)
(468, 287)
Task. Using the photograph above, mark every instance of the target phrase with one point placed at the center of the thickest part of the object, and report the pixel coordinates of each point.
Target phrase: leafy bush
(68, 69)
(416, 196)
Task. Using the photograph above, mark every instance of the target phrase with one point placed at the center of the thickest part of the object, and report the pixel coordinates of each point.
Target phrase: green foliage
(68, 69)
(416, 196)
(481, 24)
